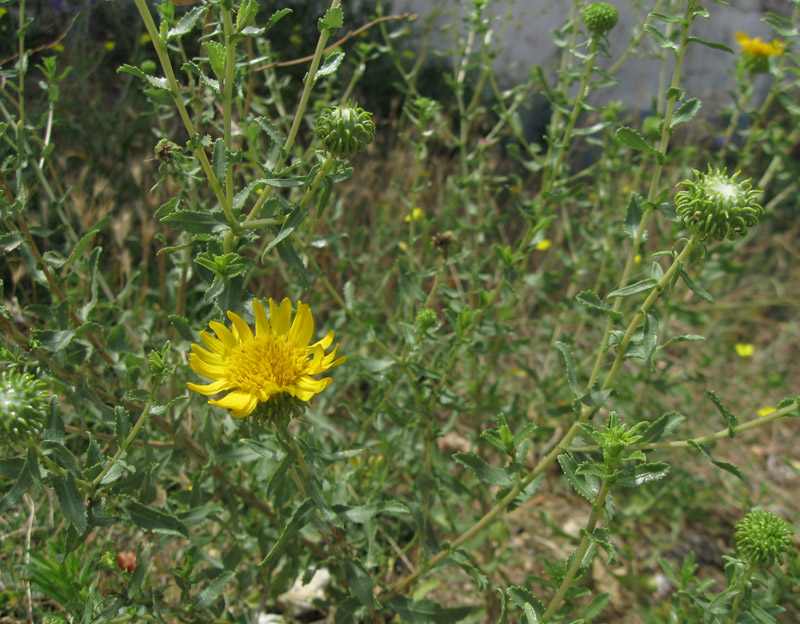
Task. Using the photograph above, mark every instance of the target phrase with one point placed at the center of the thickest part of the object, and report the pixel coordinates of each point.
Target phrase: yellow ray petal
(211, 343)
(303, 325)
(209, 389)
(262, 322)
(242, 328)
(241, 404)
(225, 335)
(280, 318)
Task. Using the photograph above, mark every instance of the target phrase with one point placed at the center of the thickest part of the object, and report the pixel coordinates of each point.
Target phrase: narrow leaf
(591, 300)
(300, 517)
(71, 500)
(730, 419)
(586, 485)
(151, 519)
(645, 284)
(569, 361)
(213, 590)
(360, 583)
(719, 464)
(686, 112)
(482, 470)
(641, 474)
(698, 290)
(662, 428)
(426, 611)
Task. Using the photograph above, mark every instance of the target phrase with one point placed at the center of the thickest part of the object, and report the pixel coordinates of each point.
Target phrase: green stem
(175, 90)
(652, 193)
(227, 96)
(309, 194)
(639, 315)
(737, 602)
(580, 553)
(145, 414)
(713, 437)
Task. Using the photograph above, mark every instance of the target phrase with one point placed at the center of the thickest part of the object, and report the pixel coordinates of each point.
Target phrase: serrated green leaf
(587, 486)
(331, 64)
(122, 422)
(213, 590)
(632, 289)
(591, 300)
(711, 44)
(71, 500)
(686, 112)
(482, 470)
(151, 519)
(426, 611)
(530, 614)
(277, 16)
(569, 361)
(640, 474)
(360, 583)
(727, 466)
(272, 132)
(219, 159)
(332, 20)
(695, 288)
(86, 239)
(23, 483)
(730, 419)
(365, 513)
(183, 327)
(633, 215)
(596, 606)
(631, 138)
(191, 221)
(187, 22)
(299, 518)
(158, 83)
(662, 428)
(661, 40)
(216, 57)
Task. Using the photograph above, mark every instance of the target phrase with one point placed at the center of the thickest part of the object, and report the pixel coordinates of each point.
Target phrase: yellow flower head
(276, 361)
(543, 245)
(756, 47)
(744, 350)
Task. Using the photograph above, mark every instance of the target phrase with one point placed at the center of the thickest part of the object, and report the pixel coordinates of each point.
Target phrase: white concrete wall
(528, 42)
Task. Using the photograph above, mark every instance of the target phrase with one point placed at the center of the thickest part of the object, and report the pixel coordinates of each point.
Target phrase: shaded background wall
(528, 41)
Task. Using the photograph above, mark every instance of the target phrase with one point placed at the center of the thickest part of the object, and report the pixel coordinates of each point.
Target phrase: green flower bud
(165, 150)
(149, 67)
(651, 127)
(23, 407)
(600, 17)
(717, 206)
(426, 318)
(345, 130)
(762, 538)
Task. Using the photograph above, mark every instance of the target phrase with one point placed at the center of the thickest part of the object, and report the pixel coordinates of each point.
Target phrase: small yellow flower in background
(543, 245)
(295, 39)
(402, 245)
(637, 258)
(276, 361)
(110, 45)
(756, 47)
(766, 410)
(415, 215)
(744, 350)
(145, 39)
(59, 47)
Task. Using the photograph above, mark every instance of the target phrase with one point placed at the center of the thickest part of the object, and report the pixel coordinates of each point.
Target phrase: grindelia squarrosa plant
(565, 357)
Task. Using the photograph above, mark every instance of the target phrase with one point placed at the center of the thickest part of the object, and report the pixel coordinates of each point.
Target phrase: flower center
(253, 365)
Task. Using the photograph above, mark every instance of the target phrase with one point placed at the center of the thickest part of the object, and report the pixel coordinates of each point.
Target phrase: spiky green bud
(345, 130)
(763, 538)
(425, 319)
(23, 407)
(718, 206)
(600, 17)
